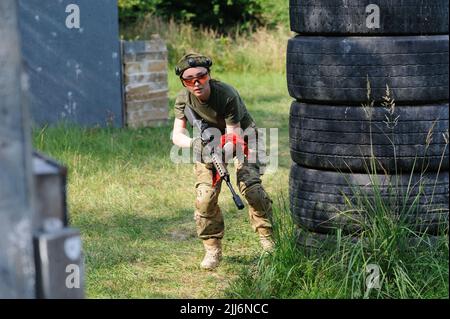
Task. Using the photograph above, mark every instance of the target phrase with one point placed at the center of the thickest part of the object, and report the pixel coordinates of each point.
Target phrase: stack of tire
(341, 46)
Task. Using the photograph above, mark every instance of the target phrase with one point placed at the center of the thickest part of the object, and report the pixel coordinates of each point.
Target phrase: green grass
(263, 50)
(134, 208)
(338, 267)
(410, 265)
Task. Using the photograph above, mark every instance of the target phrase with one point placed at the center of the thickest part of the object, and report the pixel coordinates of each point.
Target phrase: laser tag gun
(216, 159)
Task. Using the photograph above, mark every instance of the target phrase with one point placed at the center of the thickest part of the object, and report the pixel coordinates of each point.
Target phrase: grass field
(134, 207)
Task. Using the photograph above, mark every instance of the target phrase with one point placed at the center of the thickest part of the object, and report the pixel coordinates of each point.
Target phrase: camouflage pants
(208, 215)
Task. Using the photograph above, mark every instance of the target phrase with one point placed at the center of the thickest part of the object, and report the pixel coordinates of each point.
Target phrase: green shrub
(275, 13)
(131, 10)
(220, 15)
(260, 51)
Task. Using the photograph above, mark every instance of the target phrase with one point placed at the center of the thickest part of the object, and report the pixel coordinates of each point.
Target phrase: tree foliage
(220, 15)
(131, 10)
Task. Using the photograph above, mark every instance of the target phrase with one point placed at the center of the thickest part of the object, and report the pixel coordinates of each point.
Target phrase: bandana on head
(192, 60)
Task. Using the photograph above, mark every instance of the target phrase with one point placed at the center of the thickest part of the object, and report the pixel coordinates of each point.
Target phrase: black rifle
(216, 159)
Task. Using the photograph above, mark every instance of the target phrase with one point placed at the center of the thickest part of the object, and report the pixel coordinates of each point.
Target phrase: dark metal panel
(59, 264)
(72, 53)
(50, 180)
(17, 273)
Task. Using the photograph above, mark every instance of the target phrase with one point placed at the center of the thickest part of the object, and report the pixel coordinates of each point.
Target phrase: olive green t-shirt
(224, 107)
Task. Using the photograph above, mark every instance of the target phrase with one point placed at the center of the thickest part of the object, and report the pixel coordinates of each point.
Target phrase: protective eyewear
(202, 78)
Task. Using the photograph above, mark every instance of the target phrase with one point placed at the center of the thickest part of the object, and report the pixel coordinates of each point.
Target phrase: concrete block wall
(145, 83)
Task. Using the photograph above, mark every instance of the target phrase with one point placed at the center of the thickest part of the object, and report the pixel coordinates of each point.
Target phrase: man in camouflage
(221, 106)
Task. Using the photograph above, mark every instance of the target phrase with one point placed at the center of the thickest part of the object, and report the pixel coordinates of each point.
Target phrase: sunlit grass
(410, 264)
(264, 50)
(134, 207)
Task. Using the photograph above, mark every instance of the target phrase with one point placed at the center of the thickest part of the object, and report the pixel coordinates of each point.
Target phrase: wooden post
(17, 269)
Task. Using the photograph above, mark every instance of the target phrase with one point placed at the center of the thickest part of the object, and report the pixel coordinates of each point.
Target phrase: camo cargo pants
(208, 215)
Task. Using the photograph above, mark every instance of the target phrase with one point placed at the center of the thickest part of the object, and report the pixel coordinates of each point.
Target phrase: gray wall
(74, 69)
(16, 255)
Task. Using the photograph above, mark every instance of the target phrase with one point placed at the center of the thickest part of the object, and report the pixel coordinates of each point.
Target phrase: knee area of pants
(244, 182)
(206, 201)
(258, 199)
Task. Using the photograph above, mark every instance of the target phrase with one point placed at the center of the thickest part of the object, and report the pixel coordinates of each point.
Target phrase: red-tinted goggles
(202, 78)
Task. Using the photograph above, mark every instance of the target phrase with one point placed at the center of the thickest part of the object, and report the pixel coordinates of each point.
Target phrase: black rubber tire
(339, 137)
(317, 201)
(348, 17)
(335, 69)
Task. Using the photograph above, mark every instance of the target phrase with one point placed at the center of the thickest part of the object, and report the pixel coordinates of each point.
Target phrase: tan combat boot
(266, 239)
(213, 255)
